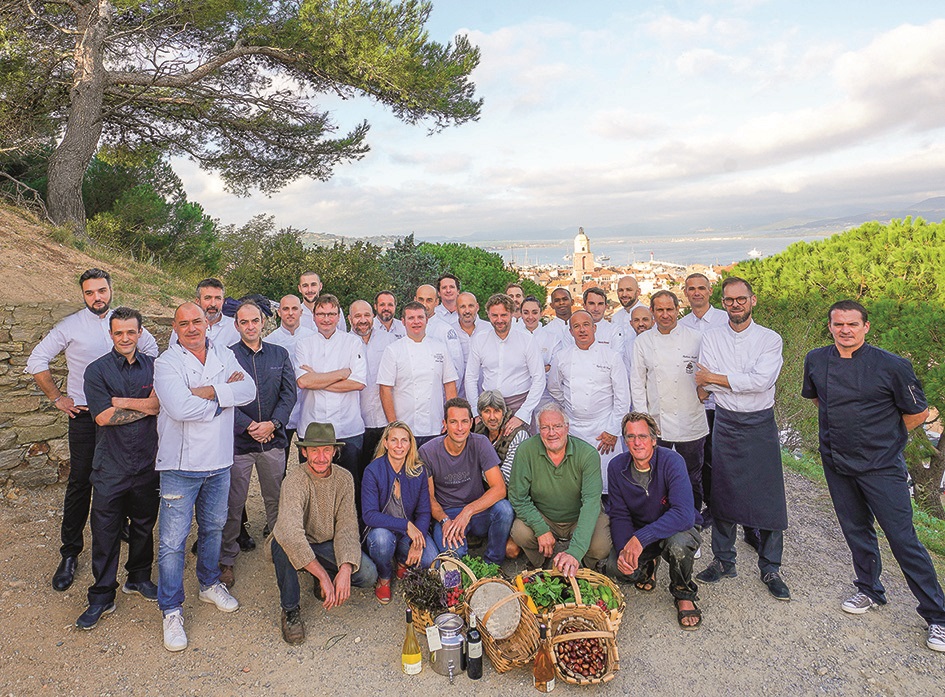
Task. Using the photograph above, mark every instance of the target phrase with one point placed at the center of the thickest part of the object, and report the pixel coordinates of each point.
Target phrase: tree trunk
(70, 160)
(927, 481)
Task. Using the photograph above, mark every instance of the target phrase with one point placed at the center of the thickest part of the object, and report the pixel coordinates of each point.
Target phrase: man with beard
(515, 291)
(469, 323)
(84, 336)
(310, 287)
(740, 364)
(447, 289)
(385, 304)
(375, 341)
(221, 330)
(628, 293)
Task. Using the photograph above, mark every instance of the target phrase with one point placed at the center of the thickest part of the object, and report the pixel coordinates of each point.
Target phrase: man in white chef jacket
(595, 303)
(416, 377)
(589, 381)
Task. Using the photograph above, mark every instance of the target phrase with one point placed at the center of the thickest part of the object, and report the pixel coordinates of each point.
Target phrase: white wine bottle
(410, 654)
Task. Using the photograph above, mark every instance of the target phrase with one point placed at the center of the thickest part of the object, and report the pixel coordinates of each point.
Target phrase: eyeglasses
(634, 438)
(740, 300)
(325, 315)
(552, 427)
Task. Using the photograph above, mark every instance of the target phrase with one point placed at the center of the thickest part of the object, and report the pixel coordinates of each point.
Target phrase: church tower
(583, 259)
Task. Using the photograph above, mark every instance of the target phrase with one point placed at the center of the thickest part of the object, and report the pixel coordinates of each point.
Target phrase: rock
(10, 458)
(58, 449)
(34, 477)
(19, 405)
(36, 419)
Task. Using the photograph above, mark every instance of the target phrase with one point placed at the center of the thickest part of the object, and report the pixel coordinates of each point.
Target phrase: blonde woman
(395, 501)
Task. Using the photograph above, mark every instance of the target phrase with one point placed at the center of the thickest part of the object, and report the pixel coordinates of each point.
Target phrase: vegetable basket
(595, 579)
(517, 649)
(423, 618)
(583, 641)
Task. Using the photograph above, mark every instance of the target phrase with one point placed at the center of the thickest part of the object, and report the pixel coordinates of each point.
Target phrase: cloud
(624, 124)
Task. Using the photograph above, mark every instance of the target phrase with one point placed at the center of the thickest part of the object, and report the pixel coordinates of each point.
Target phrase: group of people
(610, 444)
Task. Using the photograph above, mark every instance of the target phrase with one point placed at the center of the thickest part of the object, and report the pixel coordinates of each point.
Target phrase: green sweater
(564, 494)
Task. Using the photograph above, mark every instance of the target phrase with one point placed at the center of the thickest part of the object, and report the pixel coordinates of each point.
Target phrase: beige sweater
(313, 509)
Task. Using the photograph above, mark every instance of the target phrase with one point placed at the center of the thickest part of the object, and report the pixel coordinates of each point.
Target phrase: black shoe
(125, 531)
(65, 573)
(776, 585)
(193, 548)
(716, 571)
(752, 538)
(146, 589)
(245, 540)
(266, 531)
(93, 613)
(707, 518)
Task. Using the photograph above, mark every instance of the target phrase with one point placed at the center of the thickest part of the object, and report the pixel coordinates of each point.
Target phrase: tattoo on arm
(125, 416)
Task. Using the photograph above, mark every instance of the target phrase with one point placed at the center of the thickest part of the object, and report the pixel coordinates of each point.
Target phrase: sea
(711, 249)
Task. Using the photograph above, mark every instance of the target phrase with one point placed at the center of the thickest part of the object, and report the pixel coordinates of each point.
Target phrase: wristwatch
(444, 519)
(276, 424)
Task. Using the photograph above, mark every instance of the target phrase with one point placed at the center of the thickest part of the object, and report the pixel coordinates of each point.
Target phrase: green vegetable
(479, 567)
(546, 591)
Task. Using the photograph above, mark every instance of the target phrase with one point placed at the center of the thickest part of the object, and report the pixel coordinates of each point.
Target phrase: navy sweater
(376, 485)
(652, 514)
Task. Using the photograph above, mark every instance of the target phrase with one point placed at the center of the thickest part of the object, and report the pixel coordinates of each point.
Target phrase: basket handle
(554, 572)
(582, 635)
(576, 589)
(453, 559)
(507, 599)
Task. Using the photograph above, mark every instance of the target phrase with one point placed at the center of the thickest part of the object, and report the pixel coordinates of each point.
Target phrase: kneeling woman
(395, 501)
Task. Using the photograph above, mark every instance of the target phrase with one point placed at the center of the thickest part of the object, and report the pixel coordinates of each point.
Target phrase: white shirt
(196, 434)
(396, 327)
(84, 336)
(713, 317)
(371, 410)
(663, 382)
(512, 366)
(750, 359)
(417, 372)
(439, 328)
(281, 337)
(222, 333)
(307, 320)
(465, 339)
(591, 387)
(341, 409)
(444, 314)
(561, 329)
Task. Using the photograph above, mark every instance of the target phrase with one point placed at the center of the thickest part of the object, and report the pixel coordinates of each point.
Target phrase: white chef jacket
(281, 337)
(663, 382)
(591, 387)
(713, 317)
(371, 410)
(511, 365)
(396, 328)
(417, 372)
(607, 335)
(196, 434)
(84, 336)
(751, 359)
(439, 328)
(451, 317)
(308, 321)
(221, 334)
(621, 318)
(560, 329)
(341, 409)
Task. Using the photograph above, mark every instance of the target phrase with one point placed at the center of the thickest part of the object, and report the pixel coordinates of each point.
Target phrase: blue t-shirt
(458, 480)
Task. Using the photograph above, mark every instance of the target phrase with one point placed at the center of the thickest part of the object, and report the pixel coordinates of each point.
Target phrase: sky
(672, 116)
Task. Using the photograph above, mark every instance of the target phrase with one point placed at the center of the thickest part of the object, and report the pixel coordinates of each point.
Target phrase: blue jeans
(184, 494)
(287, 576)
(495, 523)
(384, 544)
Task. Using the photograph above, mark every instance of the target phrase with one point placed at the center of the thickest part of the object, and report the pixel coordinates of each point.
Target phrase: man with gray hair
(555, 490)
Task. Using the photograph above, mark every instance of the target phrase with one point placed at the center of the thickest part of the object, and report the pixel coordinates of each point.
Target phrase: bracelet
(56, 400)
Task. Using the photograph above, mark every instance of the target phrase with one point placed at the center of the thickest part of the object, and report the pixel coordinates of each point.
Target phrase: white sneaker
(858, 603)
(220, 596)
(698, 554)
(936, 640)
(175, 638)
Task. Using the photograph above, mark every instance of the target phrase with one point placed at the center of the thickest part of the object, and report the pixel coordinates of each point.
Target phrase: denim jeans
(287, 575)
(383, 545)
(494, 522)
(184, 495)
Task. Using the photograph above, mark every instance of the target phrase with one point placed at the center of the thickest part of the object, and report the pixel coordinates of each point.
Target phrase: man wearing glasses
(331, 395)
(739, 364)
(555, 490)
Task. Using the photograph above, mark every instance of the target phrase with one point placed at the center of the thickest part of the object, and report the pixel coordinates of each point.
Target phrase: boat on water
(754, 253)
(604, 258)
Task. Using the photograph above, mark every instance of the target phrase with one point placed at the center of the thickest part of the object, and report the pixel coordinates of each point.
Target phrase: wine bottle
(410, 654)
(473, 650)
(544, 669)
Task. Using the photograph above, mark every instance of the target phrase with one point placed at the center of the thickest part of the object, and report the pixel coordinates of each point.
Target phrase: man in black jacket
(259, 429)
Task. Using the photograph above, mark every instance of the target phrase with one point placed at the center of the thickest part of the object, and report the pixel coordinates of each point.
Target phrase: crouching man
(652, 516)
(317, 530)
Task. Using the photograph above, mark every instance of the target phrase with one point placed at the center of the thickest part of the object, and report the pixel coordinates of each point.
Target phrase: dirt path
(750, 644)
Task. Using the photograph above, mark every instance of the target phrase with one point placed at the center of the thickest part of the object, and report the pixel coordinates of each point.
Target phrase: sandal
(648, 583)
(684, 614)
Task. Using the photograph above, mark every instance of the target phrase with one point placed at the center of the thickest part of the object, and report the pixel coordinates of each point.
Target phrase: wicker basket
(423, 618)
(591, 623)
(613, 616)
(520, 648)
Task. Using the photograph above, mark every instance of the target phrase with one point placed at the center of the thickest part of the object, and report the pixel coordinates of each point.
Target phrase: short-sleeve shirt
(128, 448)
(861, 403)
(458, 480)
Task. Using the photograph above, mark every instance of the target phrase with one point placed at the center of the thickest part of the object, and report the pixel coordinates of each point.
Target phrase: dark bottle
(473, 650)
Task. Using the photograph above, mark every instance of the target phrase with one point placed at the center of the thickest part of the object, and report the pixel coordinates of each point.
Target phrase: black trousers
(884, 497)
(75, 506)
(679, 550)
(119, 497)
(770, 548)
(707, 463)
(692, 452)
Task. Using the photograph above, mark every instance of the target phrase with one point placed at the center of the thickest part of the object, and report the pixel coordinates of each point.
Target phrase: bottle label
(412, 668)
(433, 638)
(546, 686)
(475, 649)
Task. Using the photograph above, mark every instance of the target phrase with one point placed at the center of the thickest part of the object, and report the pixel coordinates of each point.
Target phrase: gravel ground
(750, 644)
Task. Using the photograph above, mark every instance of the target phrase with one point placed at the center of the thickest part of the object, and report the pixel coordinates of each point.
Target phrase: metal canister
(448, 659)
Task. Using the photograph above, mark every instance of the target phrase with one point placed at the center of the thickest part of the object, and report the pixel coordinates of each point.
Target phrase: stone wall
(34, 449)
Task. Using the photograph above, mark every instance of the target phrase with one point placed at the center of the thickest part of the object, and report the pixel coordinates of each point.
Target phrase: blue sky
(675, 115)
